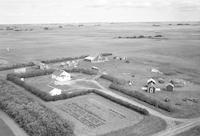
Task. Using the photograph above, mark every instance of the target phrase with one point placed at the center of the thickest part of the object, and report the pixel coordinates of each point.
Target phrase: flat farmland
(95, 115)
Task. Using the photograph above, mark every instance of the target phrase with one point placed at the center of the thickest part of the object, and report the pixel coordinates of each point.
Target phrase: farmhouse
(61, 75)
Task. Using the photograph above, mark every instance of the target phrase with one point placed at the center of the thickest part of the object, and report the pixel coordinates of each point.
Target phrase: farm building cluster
(61, 77)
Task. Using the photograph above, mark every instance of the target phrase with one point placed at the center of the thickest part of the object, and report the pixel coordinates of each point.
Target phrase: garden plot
(95, 115)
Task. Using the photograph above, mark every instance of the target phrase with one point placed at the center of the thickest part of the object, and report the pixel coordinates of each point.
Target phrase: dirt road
(17, 131)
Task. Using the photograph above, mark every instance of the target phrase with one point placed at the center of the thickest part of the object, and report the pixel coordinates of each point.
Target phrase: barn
(61, 75)
(151, 86)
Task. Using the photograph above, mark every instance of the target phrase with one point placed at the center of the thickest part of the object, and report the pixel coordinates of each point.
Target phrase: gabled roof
(170, 84)
(151, 80)
(59, 72)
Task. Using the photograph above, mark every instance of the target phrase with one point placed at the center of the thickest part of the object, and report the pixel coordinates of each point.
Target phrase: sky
(76, 11)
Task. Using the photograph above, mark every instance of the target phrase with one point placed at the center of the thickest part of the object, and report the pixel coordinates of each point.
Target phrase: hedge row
(82, 70)
(43, 95)
(33, 117)
(34, 73)
(106, 54)
(143, 97)
(114, 79)
(40, 72)
(63, 59)
(123, 103)
(19, 65)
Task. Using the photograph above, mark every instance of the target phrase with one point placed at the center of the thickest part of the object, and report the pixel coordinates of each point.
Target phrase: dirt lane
(17, 131)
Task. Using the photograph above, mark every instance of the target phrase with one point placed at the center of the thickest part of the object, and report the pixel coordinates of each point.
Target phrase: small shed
(89, 59)
(170, 87)
(95, 68)
(20, 70)
(161, 80)
(43, 66)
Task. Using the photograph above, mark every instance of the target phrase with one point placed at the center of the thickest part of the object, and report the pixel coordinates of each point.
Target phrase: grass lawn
(4, 129)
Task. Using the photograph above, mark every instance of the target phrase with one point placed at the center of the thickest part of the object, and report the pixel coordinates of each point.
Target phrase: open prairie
(153, 50)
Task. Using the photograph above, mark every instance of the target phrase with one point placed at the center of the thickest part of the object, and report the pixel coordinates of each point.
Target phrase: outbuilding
(20, 70)
(170, 87)
(89, 58)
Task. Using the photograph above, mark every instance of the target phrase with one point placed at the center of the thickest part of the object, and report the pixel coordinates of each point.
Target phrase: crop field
(97, 115)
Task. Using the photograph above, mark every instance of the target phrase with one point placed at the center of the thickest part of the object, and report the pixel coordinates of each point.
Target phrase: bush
(63, 59)
(123, 103)
(114, 79)
(82, 70)
(19, 65)
(35, 73)
(142, 97)
(33, 117)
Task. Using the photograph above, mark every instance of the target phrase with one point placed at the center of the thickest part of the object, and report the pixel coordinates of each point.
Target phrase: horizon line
(84, 22)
